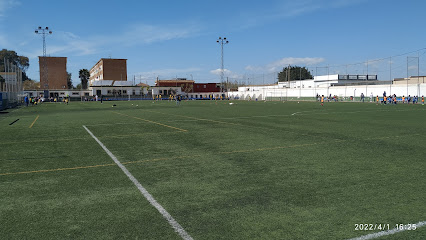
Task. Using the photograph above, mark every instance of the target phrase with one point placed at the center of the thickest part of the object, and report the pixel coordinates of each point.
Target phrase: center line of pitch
(175, 225)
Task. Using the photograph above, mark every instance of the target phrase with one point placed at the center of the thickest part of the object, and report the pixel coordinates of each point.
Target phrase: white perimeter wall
(261, 92)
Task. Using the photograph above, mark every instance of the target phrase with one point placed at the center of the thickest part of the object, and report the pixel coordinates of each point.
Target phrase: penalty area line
(388, 232)
(175, 225)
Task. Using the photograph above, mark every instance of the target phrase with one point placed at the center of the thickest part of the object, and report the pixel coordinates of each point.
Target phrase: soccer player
(178, 100)
(423, 100)
(377, 100)
(403, 99)
(384, 99)
(322, 100)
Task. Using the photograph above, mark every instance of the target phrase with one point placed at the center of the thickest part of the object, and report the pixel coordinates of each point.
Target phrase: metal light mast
(222, 41)
(43, 32)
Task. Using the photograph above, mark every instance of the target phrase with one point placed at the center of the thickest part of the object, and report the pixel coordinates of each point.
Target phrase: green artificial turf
(250, 170)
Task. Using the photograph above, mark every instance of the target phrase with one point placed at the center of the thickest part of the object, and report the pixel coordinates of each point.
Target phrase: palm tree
(84, 75)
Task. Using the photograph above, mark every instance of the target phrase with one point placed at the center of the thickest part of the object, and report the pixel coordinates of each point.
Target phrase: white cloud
(281, 63)
(226, 73)
(7, 4)
(167, 73)
(143, 33)
(289, 9)
(136, 34)
(345, 3)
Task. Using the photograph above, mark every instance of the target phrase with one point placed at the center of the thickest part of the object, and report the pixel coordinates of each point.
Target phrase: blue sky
(178, 38)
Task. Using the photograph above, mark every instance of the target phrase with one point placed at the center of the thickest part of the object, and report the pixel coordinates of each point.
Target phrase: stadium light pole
(222, 41)
(43, 32)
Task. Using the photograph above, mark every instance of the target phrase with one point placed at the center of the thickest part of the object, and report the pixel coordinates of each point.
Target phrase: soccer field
(251, 170)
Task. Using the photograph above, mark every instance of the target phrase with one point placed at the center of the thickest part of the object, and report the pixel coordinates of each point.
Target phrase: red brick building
(206, 87)
(109, 69)
(189, 86)
(54, 76)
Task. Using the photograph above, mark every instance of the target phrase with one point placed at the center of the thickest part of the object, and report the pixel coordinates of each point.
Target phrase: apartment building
(109, 69)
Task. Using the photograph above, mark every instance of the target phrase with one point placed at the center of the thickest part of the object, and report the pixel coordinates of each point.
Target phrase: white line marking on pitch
(176, 226)
(388, 232)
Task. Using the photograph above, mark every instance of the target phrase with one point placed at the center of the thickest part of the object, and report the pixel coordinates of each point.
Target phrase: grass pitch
(251, 170)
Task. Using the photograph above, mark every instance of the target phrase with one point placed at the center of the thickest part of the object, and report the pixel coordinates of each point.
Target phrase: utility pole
(44, 73)
(222, 41)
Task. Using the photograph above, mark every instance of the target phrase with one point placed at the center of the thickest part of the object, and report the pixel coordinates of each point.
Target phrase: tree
(78, 86)
(21, 61)
(295, 72)
(69, 81)
(187, 88)
(31, 85)
(84, 75)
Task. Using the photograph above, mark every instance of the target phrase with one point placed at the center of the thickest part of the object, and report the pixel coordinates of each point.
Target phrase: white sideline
(388, 232)
(176, 226)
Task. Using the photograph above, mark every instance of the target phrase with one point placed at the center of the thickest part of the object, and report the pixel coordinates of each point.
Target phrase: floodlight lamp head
(36, 31)
(227, 41)
(217, 41)
(47, 28)
(224, 38)
(220, 37)
(39, 27)
(50, 32)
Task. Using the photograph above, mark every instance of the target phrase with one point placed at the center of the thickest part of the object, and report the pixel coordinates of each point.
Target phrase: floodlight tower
(43, 32)
(222, 41)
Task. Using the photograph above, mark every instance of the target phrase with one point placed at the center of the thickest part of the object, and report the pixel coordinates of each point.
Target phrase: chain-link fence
(10, 86)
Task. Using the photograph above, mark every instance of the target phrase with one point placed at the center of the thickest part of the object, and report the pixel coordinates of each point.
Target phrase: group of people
(321, 98)
(38, 100)
(392, 99)
(32, 100)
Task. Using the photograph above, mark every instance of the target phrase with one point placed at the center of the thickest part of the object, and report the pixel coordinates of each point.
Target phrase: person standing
(322, 100)
(423, 100)
(178, 100)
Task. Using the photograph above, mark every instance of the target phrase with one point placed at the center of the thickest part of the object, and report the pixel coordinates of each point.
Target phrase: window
(124, 91)
(75, 93)
(62, 93)
(204, 86)
(109, 91)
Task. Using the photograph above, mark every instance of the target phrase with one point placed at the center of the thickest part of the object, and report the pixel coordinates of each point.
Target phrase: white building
(342, 86)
